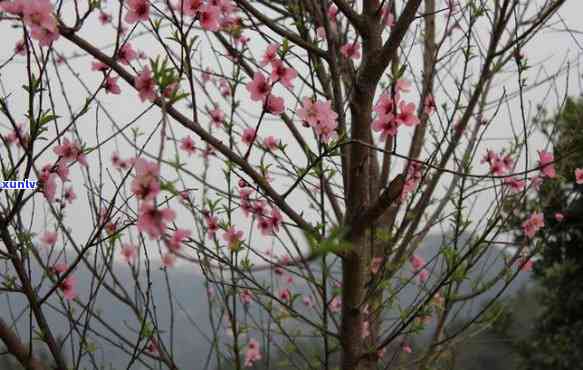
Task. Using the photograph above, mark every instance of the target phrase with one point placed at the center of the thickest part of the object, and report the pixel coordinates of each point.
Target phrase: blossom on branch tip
(545, 162)
(187, 144)
(110, 85)
(145, 85)
(233, 237)
(259, 87)
(253, 353)
(351, 50)
(153, 221)
(138, 10)
(126, 54)
(146, 183)
(533, 224)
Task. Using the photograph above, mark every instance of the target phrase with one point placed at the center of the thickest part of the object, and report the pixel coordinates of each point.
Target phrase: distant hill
(191, 312)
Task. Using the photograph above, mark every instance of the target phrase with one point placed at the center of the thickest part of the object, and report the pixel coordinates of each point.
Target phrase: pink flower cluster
(418, 266)
(320, 116)
(413, 179)
(253, 353)
(138, 10)
(392, 112)
(500, 164)
(260, 88)
(332, 14)
(533, 224)
(269, 219)
(211, 14)
(545, 162)
(38, 16)
(68, 153)
(146, 184)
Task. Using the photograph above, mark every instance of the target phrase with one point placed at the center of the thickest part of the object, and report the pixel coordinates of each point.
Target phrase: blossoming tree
(296, 153)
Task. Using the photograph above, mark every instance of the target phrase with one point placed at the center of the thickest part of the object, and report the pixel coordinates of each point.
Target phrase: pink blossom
(407, 114)
(110, 85)
(423, 275)
(320, 116)
(351, 50)
(285, 294)
(179, 237)
(335, 304)
(545, 162)
(49, 185)
(270, 54)
(39, 13)
(187, 144)
(98, 66)
(267, 225)
(138, 10)
(515, 185)
(579, 176)
(217, 117)
(62, 170)
(129, 252)
(171, 90)
(259, 87)
(281, 73)
(274, 105)
(104, 18)
(153, 221)
(388, 16)
(403, 86)
(67, 286)
(271, 143)
(332, 12)
(15, 7)
(145, 85)
(533, 224)
(168, 260)
(406, 347)
(69, 195)
(559, 216)
(253, 353)
(414, 176)
(417, 262)
(146, 184)
(152, 346)
(233, 237)
(248, 136)
(21, 47)
(212, 224)
(536, 182)
(190, 7)
(307, 300)
(209, 17)
(386, 124)
(429, 106)
(117, 162)
(126, 53)
(48, 238)
(224, 88)
(70, 151)
(525, 264)
(386, 104)
(59, 268)
(246, 296)
(276, 219)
